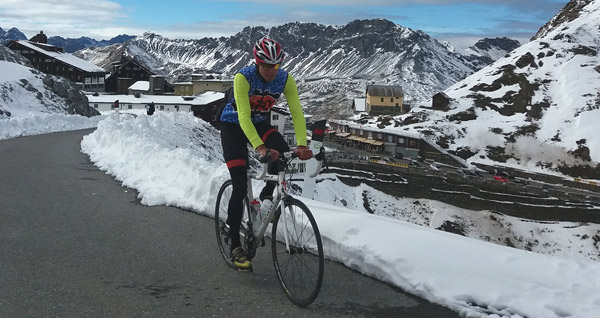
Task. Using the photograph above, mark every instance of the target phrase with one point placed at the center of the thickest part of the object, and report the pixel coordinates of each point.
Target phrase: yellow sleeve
(241, 88)
(291, 95)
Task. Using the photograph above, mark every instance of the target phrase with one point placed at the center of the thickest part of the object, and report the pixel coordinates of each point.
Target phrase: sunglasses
(269, 66)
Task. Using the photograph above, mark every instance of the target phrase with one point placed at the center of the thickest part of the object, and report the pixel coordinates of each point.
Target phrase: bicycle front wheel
(297, 252)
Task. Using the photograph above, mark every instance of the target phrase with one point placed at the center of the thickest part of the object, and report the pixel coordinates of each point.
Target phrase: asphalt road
(75, 243)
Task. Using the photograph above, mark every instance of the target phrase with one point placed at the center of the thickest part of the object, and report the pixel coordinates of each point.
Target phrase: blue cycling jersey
(262, 95)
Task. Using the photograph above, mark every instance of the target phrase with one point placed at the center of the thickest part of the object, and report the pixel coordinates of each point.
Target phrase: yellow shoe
(240, 259)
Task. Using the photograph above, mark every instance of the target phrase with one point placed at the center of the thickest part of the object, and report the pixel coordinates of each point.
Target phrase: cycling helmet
(268, 51)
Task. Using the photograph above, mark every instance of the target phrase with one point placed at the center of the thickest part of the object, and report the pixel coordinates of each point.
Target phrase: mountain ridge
(332, 64)
(70, 45)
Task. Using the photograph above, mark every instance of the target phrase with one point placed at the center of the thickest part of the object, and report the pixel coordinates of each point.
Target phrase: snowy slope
(474, 278)
(22, 90)
(536, 107)
(25, 90)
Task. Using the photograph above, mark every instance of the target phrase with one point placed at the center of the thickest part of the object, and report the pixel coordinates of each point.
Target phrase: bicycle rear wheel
(300, 267)
(221, 227)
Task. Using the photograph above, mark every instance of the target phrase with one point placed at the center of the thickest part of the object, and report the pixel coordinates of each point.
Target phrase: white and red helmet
(268, 51)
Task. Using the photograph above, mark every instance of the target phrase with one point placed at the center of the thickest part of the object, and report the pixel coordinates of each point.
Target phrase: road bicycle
(296, 244)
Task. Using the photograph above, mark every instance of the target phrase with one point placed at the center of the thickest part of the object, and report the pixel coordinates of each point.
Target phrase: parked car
(414, 163)
(473, 173)
(398, 155)
(500, 178)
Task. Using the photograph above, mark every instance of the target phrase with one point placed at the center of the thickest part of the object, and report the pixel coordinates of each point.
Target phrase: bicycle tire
(221, 228)
(299, 270)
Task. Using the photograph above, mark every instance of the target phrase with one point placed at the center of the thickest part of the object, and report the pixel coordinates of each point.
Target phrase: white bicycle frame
(279, 195)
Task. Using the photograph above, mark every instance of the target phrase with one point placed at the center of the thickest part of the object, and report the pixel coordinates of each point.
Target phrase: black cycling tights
(235, 152)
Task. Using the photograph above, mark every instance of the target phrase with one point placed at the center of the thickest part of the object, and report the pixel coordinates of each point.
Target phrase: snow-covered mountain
(69, 44)
(489, 50)
(536, 107)
(72, 45)
(332, 64)
(24, 89)
(11, 34)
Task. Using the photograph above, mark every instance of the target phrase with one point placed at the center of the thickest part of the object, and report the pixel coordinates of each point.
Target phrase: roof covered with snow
(140, 86)
(202, 99)
(65, 58)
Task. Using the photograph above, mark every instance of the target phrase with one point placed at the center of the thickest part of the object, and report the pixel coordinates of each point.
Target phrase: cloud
(60, 17)
(104, 19)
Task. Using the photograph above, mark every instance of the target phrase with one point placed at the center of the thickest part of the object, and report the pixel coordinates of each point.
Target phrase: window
(214, 118)
(390, 138)
(382, 99)
(162, 107)
(275, 117)
(129, 106)
(95, 105)
(391, 100)
(379, 136)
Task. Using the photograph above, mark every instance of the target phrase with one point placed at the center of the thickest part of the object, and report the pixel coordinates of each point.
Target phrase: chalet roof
(66, 58)
(128, 61)
(391, 131)
(385, 90)
(443, 95)
(200, 100)
(140, 86)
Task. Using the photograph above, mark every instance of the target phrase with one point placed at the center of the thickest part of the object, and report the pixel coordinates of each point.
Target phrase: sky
(471, 277)
(454, 20)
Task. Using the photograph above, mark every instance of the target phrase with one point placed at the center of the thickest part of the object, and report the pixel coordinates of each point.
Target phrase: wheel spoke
(299, 269)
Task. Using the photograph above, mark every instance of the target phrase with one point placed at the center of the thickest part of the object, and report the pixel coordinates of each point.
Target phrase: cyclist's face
(268, 71)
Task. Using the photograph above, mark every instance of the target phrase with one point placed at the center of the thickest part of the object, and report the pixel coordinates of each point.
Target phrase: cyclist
(245, 119)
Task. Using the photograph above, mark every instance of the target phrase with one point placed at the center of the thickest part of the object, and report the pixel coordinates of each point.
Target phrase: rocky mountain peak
(11, 34)
(503, 43)
(568, 13)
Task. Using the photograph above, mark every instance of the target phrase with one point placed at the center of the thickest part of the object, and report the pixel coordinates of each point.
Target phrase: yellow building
(202, 83)
(383, 99)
